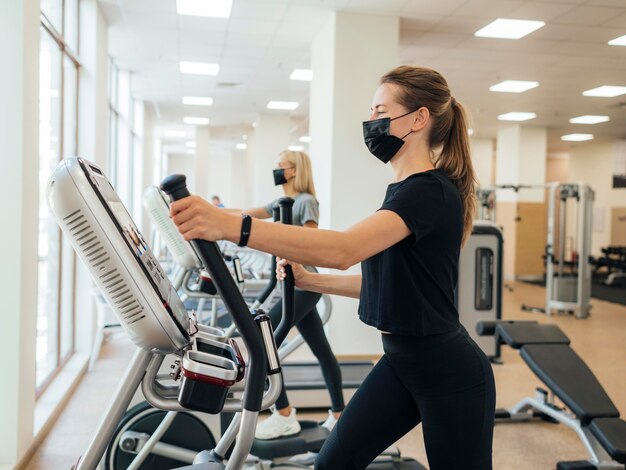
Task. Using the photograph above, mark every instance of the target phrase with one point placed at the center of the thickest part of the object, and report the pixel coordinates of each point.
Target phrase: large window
(125, 140)
(58, 126)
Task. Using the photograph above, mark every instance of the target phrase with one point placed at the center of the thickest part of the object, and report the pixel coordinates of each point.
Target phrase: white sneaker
(278, 425)
(330, 421)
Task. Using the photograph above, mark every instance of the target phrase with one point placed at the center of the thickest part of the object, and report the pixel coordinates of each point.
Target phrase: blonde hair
(424, 87)
(303, 182)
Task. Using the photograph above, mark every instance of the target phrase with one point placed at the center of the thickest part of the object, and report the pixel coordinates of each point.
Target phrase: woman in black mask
(432, 372)
(295, 176)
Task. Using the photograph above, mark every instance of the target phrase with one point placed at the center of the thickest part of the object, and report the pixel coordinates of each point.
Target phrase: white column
(148, 164)
(220, 175)
(19, 134)
(483, 159)
(350, 182)
(203, 156)
(521, 154)
(238, 180)
(271, 136)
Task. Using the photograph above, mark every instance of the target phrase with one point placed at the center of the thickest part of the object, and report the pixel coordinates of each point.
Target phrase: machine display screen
(132, 236)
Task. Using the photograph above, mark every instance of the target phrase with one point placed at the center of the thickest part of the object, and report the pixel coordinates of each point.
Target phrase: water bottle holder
(208, 370)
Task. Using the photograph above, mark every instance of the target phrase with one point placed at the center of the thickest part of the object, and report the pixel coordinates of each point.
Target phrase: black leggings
(443, 381)
(309, 324)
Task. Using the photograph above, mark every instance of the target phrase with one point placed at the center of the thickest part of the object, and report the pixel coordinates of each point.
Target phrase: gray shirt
(305, 209)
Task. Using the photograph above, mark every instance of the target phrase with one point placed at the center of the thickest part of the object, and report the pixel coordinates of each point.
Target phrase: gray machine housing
(479, 291)
(99, 228)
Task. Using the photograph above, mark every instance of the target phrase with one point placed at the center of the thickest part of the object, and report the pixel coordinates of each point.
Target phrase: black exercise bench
(592, 414)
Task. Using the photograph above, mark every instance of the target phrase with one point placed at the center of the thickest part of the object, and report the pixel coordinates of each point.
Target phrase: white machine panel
(102, 232)
(158, 209)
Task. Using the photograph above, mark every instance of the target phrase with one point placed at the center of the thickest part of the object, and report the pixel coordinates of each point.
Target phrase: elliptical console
(102, 232)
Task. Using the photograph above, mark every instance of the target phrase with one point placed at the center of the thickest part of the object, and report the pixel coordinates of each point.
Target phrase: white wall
(482, 158)
(185, 165)
(19, 134)
(592, 163)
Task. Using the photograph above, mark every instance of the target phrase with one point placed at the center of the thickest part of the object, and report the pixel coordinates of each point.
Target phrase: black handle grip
(271, 285)
(286, 322)
(175, 186)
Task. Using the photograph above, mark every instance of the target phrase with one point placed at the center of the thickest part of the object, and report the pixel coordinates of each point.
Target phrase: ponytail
(456, 161)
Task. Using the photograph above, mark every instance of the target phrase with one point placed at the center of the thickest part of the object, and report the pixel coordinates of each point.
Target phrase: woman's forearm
(308, 246)
(344, 285)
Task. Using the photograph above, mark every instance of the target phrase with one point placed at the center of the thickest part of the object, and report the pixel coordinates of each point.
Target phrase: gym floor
(600, 340)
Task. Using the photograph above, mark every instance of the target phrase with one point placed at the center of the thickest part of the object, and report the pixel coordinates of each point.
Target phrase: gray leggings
(309, 324)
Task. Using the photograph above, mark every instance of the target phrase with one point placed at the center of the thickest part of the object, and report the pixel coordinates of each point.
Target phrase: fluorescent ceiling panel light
(191, 152)
(191, 144)
(302, 74)
(208, 8)
(517, 116)
(620, 41)
(305, 138)
(199, 68)
(513, 86)
(288, 105)
(241, 146)
(198, 100)
(197, 121)
(175, 134)
(589, 119)
(606, 91)
(577, 137)
(470, 131)
(296, 148)
(509, 29)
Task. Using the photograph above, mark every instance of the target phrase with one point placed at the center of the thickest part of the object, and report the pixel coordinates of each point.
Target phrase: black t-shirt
(408, 289)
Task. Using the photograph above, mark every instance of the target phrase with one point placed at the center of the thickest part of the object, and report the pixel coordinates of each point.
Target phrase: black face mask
(279, 176)
(378, 140)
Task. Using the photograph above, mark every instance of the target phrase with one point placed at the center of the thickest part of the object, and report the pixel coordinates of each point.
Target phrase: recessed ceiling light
(517, 116)
(198, 100)
(241, 146)
(589, 119)
(302, 74)
(470, 131)
(197, 121)
(513, 86)
(173, 133)
(620, 41)
(577, 137)
(199, 68)
(606, 91)
(296, 148)
(191, 144)
(288, 105)
(509, 29)
(210, 8)
(305, 138)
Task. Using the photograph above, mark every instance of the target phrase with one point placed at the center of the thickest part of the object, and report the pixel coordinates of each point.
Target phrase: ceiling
(264, 40)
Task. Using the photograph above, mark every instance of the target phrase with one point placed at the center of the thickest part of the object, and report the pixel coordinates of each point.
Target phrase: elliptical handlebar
(286, 322)
(175, 186)
(271, 285)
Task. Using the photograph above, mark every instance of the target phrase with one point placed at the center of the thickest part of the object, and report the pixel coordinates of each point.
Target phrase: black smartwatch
(246, 223)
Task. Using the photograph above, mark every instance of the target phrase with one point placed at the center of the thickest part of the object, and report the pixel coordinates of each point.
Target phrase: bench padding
(517, 335)
(611, 432)
(571, 380)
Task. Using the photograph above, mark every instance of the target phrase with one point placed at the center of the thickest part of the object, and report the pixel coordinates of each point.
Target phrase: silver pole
(117, 407)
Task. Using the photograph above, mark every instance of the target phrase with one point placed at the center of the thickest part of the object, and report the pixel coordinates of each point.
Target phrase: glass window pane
(123, 163)
(123, 93)
(70, 95)
(53, 9)
(67, 301)
(70, 26)
(49, 233)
